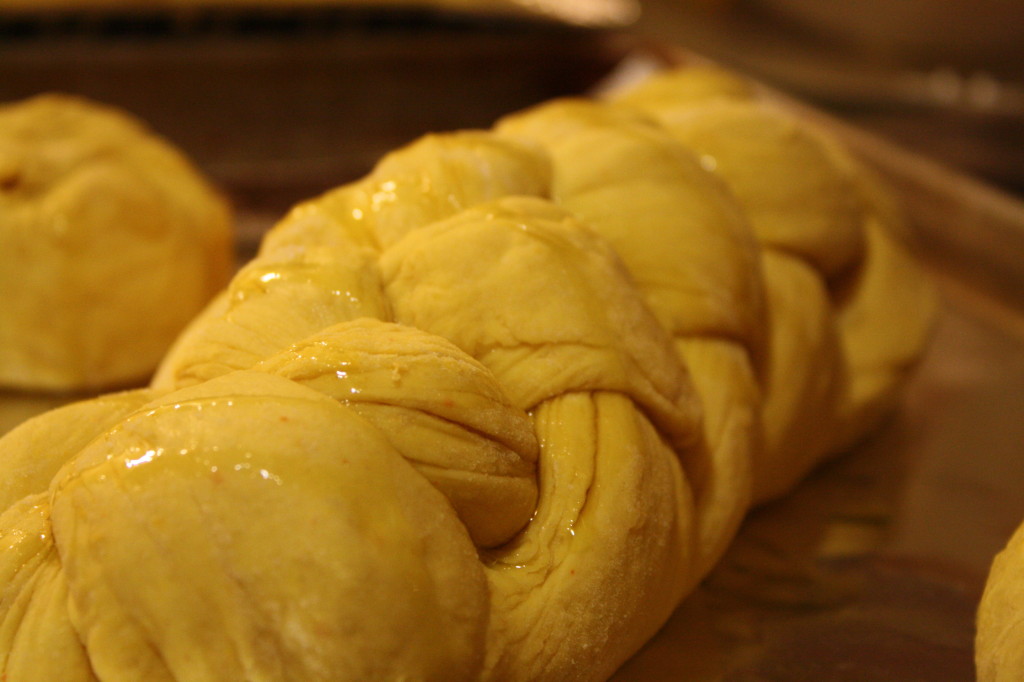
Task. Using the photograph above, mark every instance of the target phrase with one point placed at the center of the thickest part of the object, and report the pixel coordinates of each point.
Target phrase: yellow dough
(849, 313)
(111, 243)
(1000, 625)
(489, 413)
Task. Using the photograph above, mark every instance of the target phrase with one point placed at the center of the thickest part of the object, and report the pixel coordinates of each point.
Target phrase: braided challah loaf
(489, 413)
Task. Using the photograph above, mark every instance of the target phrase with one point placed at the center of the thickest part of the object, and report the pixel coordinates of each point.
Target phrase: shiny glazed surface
(497, 407)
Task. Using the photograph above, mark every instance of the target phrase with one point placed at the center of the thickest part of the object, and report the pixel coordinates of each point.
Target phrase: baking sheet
(872, 569)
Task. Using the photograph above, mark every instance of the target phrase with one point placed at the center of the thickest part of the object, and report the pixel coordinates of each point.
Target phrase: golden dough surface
(489, 413)
(111, 241)
(999, 654)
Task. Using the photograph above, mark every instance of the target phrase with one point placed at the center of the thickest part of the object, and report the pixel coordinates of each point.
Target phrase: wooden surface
(872, 569)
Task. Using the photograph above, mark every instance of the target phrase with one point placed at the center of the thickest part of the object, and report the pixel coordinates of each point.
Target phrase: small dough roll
(998, 650)
(111, 242)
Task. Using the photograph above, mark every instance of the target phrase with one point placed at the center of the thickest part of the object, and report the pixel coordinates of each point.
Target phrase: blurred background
(281, 98)
(942, 77)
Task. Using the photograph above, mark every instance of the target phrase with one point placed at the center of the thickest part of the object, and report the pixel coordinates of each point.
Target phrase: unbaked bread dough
(998, 652)
(488, 413)
(111, 243)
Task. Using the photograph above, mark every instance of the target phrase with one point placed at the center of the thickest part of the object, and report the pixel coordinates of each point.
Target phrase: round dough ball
(111, 241)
